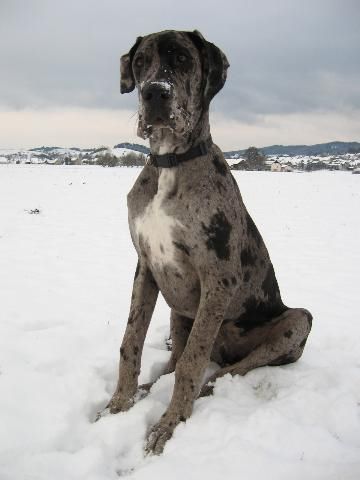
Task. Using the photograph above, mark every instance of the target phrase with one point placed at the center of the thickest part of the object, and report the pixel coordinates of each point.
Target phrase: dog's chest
(154, 228)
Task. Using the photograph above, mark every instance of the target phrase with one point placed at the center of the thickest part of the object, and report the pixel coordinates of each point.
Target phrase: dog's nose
(156, 92)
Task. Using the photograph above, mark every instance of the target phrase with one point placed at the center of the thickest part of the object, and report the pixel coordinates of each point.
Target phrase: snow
(65, 286)
(233, 161)
(120, 152)
(164, 84)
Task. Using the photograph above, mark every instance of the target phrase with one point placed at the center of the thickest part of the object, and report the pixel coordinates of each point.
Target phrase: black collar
(169, 160)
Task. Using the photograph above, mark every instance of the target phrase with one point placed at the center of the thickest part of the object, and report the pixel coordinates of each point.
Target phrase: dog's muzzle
(157, 97)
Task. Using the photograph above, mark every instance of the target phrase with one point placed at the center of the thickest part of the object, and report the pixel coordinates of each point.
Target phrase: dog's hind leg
(283, 342)
(180, 328)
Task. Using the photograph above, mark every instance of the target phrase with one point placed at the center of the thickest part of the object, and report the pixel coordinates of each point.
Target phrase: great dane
(195, 240)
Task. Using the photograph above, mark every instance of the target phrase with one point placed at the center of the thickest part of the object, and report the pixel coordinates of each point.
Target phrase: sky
(294, 75)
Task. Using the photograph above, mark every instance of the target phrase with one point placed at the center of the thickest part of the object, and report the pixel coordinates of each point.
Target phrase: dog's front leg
(144, 295)
(190, 368)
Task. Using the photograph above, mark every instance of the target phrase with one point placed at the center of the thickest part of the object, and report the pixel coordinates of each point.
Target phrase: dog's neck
(165, 140)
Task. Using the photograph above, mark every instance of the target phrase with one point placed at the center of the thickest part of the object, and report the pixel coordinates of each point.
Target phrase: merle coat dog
(195, 240)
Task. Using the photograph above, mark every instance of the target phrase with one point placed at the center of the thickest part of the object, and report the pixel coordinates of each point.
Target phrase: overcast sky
(294, 72)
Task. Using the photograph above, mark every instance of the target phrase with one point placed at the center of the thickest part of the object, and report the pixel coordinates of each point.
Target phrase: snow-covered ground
(65, 285)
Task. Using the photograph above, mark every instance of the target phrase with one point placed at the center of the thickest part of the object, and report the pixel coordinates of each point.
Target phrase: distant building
(276, 166)
(279, 167)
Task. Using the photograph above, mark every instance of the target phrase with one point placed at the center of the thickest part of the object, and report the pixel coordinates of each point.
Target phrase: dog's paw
(158, 436)
(144, 389)
(120, 404)
(160, 433)
(207, 390)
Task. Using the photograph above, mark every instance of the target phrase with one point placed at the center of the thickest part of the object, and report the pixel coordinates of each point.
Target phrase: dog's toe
(157, 439)
(206, 390)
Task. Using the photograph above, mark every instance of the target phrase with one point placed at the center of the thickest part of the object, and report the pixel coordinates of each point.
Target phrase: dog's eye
(181, 58)
(139, 61)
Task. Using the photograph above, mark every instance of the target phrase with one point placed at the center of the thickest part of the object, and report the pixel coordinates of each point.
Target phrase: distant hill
(331, 148)
(321, 149)
(134, 146)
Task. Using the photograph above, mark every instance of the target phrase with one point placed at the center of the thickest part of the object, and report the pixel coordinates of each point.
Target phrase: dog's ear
(127, 80)
(215, 65)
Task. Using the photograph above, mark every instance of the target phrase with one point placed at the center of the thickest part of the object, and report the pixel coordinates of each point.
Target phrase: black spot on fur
(169, 48)
(221, 188)
(220, 166)
(123, 354)
(144, 181)
(247, 276)
(136, 349)
(225, 282)
(257, 313)
(218, 235)
(137, 270)
(288, 334)
(252, 230)
(247, 257)
(270, 286)
(181, 246)
(233, 280)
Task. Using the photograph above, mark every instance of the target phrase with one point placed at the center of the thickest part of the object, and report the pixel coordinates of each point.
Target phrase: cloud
(290, 58)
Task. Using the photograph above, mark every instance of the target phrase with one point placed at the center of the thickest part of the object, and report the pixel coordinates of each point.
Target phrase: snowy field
(65, 285)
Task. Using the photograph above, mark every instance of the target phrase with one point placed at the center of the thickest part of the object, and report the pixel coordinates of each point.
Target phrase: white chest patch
(155, 226)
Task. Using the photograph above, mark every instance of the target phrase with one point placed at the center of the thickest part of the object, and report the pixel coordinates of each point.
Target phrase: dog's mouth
(151, 122)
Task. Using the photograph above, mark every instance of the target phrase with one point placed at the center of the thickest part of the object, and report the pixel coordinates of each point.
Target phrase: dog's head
(176, 74)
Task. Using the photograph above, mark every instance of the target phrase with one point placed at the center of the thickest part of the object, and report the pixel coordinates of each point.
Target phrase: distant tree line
(129, 160)
(254, 160)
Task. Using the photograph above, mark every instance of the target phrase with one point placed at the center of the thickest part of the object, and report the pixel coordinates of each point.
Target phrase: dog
(195, 240)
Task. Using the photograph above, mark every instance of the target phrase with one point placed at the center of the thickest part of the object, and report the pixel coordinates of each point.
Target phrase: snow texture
(65, 287)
